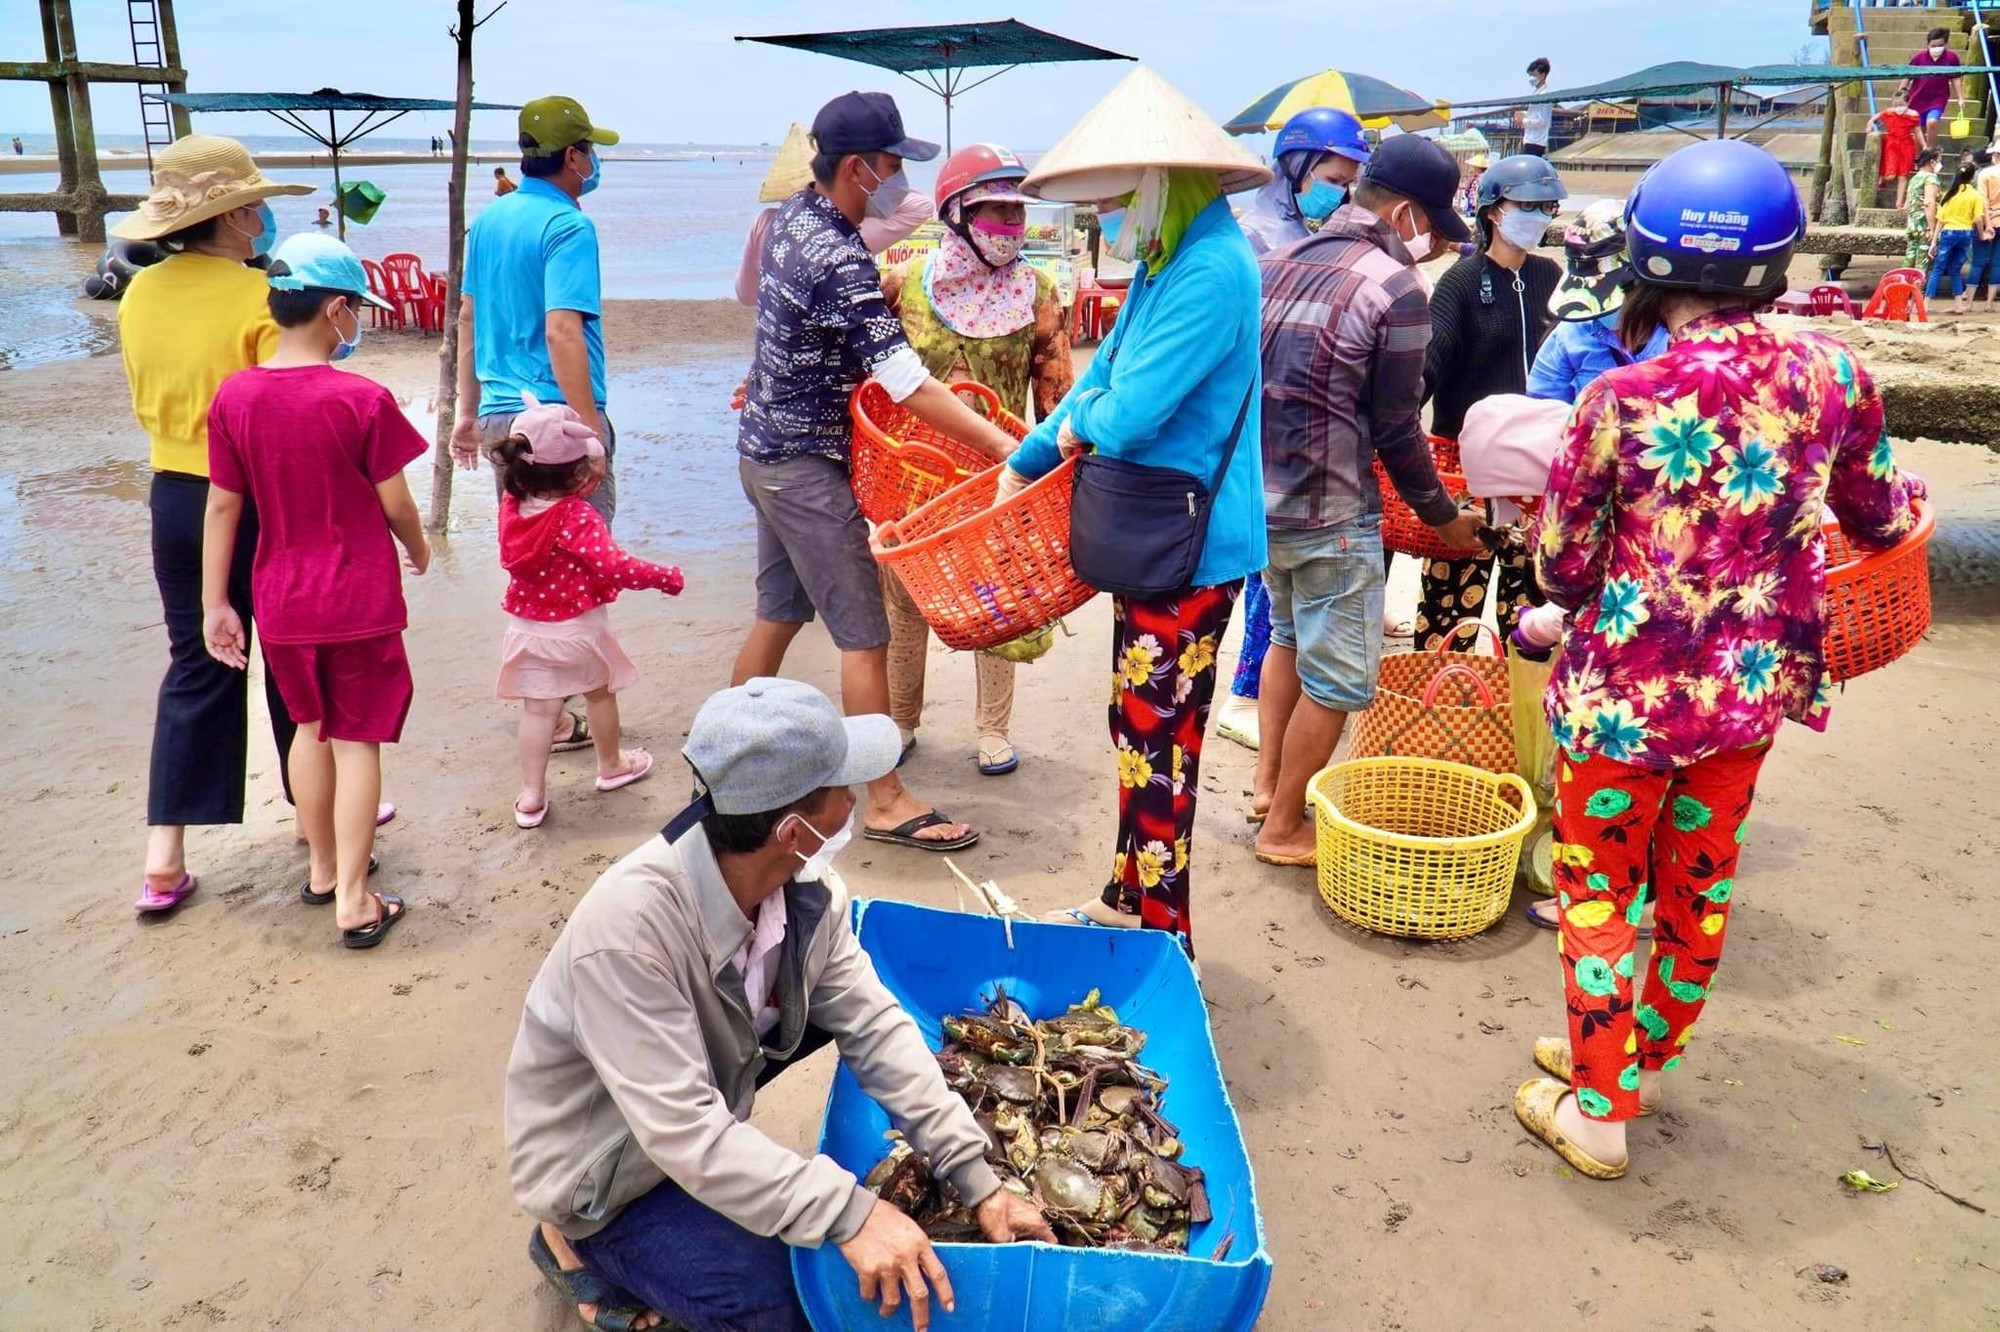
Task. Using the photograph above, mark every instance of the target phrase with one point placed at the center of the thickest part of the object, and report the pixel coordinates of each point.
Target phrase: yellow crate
(1419, 847)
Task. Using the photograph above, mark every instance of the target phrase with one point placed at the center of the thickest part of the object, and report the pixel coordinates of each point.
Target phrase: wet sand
(223, 1118)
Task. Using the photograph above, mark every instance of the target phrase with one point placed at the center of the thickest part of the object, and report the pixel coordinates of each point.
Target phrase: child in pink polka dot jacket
(565, 571)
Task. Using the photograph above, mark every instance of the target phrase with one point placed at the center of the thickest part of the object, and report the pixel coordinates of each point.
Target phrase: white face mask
(1419, 245)
(889, 191)
(1523, 230)
(815, 866)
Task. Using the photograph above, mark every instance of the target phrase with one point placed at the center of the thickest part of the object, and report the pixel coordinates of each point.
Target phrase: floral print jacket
(1682, 527)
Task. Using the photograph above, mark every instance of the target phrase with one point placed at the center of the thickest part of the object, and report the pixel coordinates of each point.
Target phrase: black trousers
(201, 731)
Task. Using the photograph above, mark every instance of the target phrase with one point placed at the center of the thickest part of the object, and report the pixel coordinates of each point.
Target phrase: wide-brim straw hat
(196, 178)
(791, 169)
(1143, 122)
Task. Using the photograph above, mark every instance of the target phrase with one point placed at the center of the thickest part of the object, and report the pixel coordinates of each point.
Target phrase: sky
(668, 71)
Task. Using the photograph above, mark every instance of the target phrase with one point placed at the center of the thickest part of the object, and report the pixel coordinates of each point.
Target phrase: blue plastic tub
(939, 962)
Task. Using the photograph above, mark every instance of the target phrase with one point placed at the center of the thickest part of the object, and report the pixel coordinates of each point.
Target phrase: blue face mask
(1319, 202)
(596, 175)
(347, 345)
(1108, 225)
(267, 235)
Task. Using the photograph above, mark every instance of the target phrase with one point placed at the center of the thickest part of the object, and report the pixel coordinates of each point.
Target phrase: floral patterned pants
(1256, 638)
(1624, 833)
(1163, 679)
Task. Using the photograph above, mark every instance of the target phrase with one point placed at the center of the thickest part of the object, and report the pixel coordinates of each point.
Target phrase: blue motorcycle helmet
(1720, 217)
(1323, 129)
(1305, 141)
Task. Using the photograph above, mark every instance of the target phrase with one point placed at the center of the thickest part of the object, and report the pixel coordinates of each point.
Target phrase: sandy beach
(224, 1119)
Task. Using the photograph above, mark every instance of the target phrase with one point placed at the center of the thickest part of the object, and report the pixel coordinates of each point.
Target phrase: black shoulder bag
(1138, 531)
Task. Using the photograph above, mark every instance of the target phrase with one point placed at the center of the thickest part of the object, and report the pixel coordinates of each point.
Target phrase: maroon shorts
(356, 691)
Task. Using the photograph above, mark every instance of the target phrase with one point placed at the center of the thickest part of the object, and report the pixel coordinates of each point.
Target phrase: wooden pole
(170, 51)
(87, 221)
(448, 348)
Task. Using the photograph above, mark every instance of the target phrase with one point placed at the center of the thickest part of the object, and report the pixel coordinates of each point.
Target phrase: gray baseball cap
(764, 745)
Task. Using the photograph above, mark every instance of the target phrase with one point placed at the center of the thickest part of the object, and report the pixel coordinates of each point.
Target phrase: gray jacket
(636, 1061)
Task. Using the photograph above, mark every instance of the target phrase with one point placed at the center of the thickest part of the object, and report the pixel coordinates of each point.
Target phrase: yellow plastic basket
(1419, 847)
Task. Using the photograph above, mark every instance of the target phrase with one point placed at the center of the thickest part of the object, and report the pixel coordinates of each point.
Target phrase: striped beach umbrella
(1377, 103)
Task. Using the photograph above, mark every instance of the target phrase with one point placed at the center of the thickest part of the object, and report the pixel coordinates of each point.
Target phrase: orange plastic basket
(1878, 604)
(901, 463)
(985, 574)
(1402, 530)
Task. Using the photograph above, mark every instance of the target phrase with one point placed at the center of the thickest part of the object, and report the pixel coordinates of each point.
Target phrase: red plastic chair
(405, 275)
(1915, 275)
(430, 308)
(378, 285)
(1829, 297)
(1898, 299)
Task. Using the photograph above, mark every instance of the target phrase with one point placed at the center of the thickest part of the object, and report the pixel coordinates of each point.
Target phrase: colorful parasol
(1377, 103)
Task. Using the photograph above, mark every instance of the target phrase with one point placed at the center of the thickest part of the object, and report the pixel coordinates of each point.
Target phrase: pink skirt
(540, 659)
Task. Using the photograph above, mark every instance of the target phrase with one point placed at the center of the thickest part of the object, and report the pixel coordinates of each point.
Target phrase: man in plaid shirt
(1346, 322)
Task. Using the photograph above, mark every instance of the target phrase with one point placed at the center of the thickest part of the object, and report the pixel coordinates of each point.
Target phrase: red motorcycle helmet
(981, 164)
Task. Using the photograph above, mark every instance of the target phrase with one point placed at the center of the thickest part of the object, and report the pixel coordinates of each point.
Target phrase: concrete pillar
(59, 111)
(88, 218)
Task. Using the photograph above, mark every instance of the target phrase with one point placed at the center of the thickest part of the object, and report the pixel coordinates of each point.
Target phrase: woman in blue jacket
(1585, 342)
(1179, 371)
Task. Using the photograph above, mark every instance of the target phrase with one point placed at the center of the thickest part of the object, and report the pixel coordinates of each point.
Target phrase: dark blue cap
(866, 122)
(1421, 171)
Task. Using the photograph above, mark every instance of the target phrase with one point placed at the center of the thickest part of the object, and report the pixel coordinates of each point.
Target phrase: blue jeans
(1326, 604)
(1985, 269)
(694, 1265)
(1953, 248)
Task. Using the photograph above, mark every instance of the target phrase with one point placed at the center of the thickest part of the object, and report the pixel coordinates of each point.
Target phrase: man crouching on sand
(693, 972)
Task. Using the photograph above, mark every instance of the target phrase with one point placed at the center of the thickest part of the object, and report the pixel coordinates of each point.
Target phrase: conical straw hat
(1143, 122)
(791, 169)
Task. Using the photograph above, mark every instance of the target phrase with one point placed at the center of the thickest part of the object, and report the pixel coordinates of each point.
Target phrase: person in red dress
(1898, 126)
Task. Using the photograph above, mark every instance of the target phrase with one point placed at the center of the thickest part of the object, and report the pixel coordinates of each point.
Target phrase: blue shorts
(1326, 604)
(1932, 116)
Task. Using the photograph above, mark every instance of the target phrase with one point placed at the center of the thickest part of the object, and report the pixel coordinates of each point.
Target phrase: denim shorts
(1326, 604)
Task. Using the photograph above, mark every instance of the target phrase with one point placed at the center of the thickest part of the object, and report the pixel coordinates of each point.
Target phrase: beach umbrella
(1377, 103)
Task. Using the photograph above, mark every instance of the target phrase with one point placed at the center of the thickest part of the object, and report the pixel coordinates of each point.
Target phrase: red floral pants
(1163, 678)
(1624, 834)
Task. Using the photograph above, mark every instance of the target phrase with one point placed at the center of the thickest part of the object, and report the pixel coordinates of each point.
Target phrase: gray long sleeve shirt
(636, 1060)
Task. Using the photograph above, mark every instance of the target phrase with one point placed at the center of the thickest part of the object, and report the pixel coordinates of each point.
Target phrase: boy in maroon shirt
(320, 453)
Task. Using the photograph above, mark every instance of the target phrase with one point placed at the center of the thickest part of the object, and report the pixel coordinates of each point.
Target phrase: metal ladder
(149, 50)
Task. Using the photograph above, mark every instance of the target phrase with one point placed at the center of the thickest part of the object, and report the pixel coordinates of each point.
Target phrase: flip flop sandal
(578, 737)
(618, 1310)
(1288, 862)
(909, 747)
(367, 936)
(1553, 1058)
(523, 819)
(642, 767)
(905, 834)
(1544, 923)
(1535, 1106)
(998, 760)
(311, 898)
(153, 903)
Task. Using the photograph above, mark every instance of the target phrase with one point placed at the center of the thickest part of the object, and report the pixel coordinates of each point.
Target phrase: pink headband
(555, 433)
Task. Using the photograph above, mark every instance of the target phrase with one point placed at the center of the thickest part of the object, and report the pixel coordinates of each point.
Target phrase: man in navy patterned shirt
(822, 327)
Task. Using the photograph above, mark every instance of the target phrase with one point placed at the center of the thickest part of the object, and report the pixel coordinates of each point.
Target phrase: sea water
(670, 223)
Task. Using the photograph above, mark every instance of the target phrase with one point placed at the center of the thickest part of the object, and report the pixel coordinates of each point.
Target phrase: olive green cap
(556, 123)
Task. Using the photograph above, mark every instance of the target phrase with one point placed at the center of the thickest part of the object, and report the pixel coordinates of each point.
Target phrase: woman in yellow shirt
(1959, 218)
(185, 325)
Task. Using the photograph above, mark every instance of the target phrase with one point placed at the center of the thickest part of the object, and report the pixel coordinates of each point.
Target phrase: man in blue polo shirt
(529, 318)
